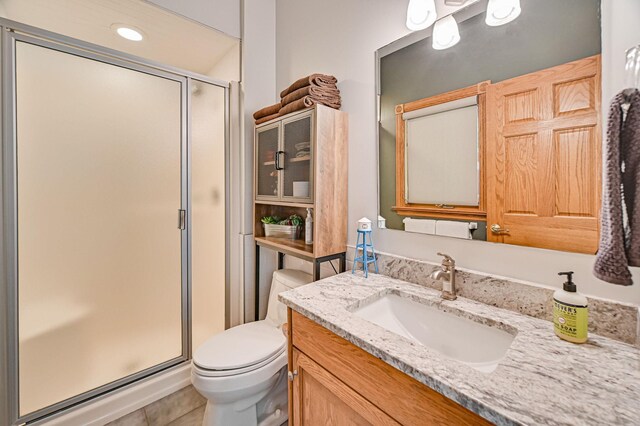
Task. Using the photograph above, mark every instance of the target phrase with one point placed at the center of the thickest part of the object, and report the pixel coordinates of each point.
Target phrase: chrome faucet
(446, 274)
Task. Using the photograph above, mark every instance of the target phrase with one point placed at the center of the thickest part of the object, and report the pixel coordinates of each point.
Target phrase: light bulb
(445, 33)
(500, 12)
(421, 14)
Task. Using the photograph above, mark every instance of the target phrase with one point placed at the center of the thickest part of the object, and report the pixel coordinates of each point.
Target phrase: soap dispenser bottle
(570, 315)
(308, 228)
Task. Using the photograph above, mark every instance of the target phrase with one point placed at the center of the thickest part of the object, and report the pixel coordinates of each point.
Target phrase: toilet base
(270, 408)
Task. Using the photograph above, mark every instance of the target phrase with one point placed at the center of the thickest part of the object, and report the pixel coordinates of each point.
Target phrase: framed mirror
(498, 137)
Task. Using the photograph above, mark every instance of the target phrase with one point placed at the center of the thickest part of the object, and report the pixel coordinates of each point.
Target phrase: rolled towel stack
(310, 90)
(303, 93)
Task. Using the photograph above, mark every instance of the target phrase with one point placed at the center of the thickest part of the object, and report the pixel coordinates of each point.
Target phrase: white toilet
(243, 371)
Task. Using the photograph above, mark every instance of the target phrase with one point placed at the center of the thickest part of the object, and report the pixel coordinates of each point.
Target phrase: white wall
(228, 66)
(259, 90)
(223, 15)
(620, 32)
(340, 37)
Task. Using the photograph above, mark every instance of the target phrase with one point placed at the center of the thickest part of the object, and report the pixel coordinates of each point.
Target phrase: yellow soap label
(570, 320)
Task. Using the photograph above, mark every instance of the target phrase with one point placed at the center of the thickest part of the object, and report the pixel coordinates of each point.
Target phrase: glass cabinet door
(266, 156)
(297, 176)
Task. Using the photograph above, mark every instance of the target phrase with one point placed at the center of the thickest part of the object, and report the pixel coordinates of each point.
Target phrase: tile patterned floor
(182, 408)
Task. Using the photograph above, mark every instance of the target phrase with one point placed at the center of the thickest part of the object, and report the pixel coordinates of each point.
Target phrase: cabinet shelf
(285, 204)
(299, 159)
(293, 160)
(296, 247)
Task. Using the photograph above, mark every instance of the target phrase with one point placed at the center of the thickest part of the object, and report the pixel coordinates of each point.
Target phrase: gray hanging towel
(619, 241)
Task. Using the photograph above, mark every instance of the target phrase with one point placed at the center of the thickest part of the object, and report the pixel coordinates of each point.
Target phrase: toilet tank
(283, 280)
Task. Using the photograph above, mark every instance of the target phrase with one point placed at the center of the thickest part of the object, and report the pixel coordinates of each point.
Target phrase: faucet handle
(448, 260)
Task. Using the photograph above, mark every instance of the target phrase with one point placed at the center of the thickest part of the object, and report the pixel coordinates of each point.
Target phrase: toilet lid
(241, 346)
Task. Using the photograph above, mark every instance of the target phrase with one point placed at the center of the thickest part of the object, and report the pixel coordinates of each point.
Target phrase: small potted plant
(275, 226)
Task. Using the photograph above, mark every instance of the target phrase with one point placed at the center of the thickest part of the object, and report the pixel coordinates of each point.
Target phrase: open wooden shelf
(296, 247)
(285, 204)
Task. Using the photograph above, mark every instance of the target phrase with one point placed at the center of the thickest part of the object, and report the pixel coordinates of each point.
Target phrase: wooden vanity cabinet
(335, 382)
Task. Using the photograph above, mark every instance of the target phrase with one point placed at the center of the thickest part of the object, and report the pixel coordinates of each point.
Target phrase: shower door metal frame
(12, 32)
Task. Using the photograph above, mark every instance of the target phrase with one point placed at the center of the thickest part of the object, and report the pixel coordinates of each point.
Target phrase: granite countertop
(541, 380)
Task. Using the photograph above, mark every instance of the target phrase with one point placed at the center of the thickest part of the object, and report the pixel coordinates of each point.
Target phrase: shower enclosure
(114, 217)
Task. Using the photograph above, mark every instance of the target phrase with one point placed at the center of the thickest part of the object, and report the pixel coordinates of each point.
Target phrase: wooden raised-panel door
(320, 399)
(543, 158)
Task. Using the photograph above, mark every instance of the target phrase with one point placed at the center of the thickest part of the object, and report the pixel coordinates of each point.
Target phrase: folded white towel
(449, 228)
(422, 226)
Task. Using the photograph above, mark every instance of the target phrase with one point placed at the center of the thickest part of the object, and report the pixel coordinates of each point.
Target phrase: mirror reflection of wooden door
(544, 158)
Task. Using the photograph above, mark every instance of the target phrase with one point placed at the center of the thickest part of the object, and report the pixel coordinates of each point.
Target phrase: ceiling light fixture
(500, 12)
(421, 14)
(445, 33)
(128, 32)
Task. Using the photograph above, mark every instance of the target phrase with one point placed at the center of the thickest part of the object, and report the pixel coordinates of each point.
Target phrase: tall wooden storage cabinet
(300, 163)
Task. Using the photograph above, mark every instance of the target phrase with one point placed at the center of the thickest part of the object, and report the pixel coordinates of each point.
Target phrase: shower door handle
(182, 219)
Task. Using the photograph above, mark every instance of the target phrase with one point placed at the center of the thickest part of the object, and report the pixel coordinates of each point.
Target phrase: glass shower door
(100, 159)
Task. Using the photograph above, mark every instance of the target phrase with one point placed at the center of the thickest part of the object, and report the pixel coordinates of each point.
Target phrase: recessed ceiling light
(128, 32)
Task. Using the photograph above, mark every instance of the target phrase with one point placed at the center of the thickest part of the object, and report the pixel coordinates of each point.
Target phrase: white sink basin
(477, 345)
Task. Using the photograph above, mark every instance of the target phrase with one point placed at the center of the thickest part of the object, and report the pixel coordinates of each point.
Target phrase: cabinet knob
(292, 375)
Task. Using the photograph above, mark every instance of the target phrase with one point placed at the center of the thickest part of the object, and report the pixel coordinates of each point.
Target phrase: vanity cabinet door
(357, 380)
(267, 176)
(297, 158)
(319, 398)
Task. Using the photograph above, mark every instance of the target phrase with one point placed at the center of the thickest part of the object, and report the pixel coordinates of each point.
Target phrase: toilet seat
(240, 349)
(225, 373)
